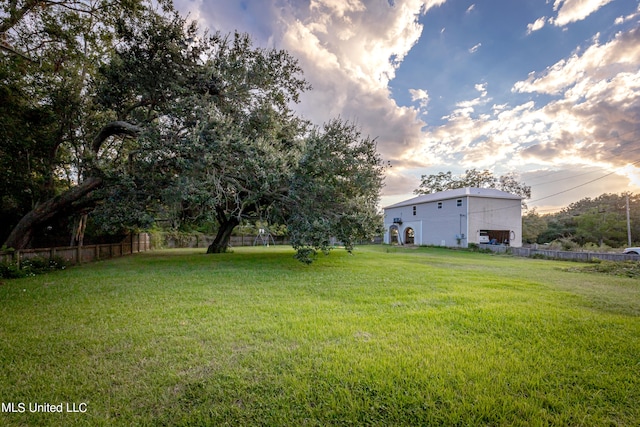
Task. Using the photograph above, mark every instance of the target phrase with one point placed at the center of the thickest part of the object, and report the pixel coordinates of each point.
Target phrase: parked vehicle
(632, 251)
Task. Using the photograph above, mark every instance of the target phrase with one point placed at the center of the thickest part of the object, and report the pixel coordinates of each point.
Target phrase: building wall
(445, 223)
(433, 225)
(453, 225)
(495, 214)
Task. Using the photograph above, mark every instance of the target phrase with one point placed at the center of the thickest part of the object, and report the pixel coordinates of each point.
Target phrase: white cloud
(575, 10)
(349, 51)
(420, 95)
(475, 48)
(594, 120)
(597, 62)
(537, 25)
(622, 19)
(482, 88)
(357, 65)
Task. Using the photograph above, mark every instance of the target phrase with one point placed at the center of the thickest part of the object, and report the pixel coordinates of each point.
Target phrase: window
(459, 202)
(414, 211)
(439, 205)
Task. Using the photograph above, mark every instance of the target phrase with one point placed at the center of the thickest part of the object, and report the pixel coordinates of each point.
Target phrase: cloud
(622, 19)
(537, 25)
(420, 95)
(598, 62)
(592, 120)
(470, 9)
(475, 48)
(350, 54)
(349, 51)
(575, 10)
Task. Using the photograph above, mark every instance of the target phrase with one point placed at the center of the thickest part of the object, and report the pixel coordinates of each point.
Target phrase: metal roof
(491, 193)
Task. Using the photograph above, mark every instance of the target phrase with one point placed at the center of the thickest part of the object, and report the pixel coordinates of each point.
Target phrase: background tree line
(598, 221)
(119, 113)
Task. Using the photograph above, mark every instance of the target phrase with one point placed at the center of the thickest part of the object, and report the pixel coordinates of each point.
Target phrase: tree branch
(114, 128)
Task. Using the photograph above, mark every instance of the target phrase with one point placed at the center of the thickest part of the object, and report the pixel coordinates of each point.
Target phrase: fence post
(16, 258)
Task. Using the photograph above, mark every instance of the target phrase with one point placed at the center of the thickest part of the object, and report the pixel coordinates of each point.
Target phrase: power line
(581, 185)
(612, 156)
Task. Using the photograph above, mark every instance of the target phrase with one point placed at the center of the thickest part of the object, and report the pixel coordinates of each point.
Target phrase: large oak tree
(140, 113)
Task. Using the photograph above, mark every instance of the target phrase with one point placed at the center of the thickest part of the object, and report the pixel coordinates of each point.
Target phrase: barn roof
(491, 193)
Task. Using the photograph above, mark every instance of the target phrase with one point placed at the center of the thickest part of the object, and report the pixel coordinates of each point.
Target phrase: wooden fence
(196, 240)
(78, 254)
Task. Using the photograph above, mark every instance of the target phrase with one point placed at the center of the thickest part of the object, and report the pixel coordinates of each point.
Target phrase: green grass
(385, 337)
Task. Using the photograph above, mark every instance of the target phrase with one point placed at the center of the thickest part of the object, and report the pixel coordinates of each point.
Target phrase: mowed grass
(384, 337)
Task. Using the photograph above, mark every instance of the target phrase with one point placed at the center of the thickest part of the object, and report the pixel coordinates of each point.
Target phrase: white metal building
(456, 218)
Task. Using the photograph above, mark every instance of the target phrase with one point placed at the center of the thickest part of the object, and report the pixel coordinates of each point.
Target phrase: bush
(31, 267)
(563, 244)
(474, 247)
(10, 270)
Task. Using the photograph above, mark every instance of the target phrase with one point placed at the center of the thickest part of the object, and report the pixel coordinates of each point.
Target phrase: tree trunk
(221, 242)
(23, 232)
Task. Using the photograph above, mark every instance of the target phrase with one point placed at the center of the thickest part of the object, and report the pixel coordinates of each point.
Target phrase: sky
(548, 89)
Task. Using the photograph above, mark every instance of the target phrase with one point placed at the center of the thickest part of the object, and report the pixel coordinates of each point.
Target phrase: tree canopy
(599, 221)
(443, 181)
(126, 112)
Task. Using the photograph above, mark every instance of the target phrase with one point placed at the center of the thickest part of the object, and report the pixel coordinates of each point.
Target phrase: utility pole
(628, 223)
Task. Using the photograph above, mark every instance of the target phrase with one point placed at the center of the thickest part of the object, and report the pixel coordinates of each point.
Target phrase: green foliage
(40, 265)
(600, 221)
(138, 115)
(532, 226)
(98, 74)
(10, 270)
(31, 267)
(336, 189)
(564, 244)
(474, 247)
(614, 268)
(443, 181)
(306, 255)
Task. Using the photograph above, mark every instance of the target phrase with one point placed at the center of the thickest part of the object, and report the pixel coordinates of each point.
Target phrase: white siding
(442, 225)
(432, 226)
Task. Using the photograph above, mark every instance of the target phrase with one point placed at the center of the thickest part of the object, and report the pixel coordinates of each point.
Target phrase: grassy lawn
(385, 337)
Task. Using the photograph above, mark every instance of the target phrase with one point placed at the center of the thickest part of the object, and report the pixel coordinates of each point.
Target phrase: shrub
(31, 267)
(10, 270)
